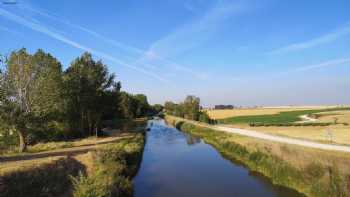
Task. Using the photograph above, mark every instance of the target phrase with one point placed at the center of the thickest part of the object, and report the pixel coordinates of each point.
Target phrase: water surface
(177, 164)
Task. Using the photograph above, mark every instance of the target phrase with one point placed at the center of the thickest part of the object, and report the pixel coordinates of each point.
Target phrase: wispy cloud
(190, 36)
(130, 49)
(325, 64)
(324, 39)
(196, 32)
(295, 70)
(42, 29)
(84, 29)
(330, 63)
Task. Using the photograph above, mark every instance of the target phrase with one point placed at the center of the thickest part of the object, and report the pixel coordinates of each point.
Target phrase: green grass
(280, 118)
(115, 165)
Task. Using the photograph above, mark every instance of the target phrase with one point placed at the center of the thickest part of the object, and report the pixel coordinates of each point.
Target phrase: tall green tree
(127, 106)
(29, 88)
(142, 105)
(85, 84)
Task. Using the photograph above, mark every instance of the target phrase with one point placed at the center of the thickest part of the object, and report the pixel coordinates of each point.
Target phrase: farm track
(70, 152)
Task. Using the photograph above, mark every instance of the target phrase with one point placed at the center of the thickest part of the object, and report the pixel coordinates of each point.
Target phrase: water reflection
(192, 140)
(178, 164)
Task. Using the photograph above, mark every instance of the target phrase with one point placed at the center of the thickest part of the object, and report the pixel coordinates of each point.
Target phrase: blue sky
(248, 52)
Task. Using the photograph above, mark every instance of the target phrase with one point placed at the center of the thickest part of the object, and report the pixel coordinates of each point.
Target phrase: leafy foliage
(30, 92)
(40, 102)
(189, 109)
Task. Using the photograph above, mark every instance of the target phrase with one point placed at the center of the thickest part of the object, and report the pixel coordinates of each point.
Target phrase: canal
(178, 164)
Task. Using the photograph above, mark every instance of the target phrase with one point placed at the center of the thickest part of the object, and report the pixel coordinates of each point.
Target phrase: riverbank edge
(306, 181)
(115, 167)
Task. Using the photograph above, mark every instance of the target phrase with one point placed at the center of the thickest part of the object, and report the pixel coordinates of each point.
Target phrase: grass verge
(115, 165)
(318, 174)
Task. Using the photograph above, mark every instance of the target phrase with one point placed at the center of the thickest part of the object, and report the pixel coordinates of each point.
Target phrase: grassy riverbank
(105, 171)
(115, 165)
(87, 167)
(310, 171)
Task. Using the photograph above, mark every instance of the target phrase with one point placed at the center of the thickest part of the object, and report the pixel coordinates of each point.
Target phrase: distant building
(224, 107)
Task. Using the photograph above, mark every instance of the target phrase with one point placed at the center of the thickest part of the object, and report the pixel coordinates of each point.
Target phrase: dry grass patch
(340, 134)
(342, 116)
(6, 167)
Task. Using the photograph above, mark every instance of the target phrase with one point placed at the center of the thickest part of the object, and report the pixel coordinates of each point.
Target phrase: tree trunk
(97, 128)
(91, 132)
(22, 142)
(96, 131)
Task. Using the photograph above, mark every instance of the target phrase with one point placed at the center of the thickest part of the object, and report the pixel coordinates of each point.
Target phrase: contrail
(114, 42)
(42, 29)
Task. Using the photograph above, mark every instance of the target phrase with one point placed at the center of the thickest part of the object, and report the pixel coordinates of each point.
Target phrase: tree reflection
(192, 140)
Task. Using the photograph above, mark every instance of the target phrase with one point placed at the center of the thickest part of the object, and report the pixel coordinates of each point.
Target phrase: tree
(85, 85)
(169, 107)
(28, 91)
(142, 105)
(157, 108)
(191, 107)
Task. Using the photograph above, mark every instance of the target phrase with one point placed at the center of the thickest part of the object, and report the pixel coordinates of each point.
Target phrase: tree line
(41, 101)
(190, 109)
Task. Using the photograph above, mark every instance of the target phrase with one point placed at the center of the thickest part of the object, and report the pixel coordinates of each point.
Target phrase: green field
(280, 118)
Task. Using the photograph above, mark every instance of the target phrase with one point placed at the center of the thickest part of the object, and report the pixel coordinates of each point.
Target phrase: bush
(204, 117)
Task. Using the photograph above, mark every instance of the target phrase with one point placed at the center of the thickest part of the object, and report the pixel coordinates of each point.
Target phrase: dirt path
(73, 151)
(306, 118)
(256, 134)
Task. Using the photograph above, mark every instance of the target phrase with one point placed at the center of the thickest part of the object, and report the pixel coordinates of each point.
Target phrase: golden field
(342, 116)
(340, 134)
(226, 113)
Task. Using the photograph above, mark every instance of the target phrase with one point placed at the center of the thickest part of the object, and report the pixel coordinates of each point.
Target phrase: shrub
(204, 117)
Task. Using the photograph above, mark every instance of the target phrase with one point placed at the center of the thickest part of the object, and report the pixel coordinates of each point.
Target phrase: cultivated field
(227, 113)
(331, 134)
(334, 133)
(342, 116)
